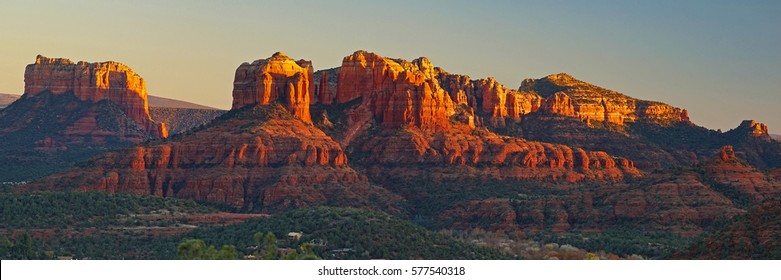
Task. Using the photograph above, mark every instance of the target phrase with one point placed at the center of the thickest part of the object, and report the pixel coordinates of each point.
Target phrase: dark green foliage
(334, 233)
(429, 197)
(196, 249)
(266, 246)
(82, 209)
(624, 242)
(20, 248)
(361, 234)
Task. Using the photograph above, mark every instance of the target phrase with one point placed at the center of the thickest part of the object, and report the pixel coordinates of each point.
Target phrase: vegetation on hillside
(84, 209)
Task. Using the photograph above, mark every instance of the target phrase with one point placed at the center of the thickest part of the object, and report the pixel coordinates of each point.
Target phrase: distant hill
(163, 102)
(179, 120)
(154, 101)
(6, 99)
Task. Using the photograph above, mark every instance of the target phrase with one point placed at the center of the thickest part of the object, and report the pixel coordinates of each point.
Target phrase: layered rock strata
(94, 82)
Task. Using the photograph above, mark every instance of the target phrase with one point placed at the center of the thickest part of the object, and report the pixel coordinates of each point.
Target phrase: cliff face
(488, 154)
(76, 107)
(262, 156)
(276, 79)
(594, 103)
(94, 82)
(429, 117)
(396, 92)
(326, 81)
(742, 182)
(557, 154)
(258, 159)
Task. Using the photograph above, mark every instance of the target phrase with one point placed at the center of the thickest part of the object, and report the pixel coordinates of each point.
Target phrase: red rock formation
(593, 103)
(501, 156)
(460, 88)
(753, 129)
(324, 94)
(397, 92)
(94, 82)
(741, 179)
(559, 103)
(754, 236)
(776, 173)
(727, 154)
(259, 159)
(679, 204)
(276, 79)
(494, 96)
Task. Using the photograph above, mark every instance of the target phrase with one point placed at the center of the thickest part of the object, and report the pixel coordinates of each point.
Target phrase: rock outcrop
(681, 204)
(594, 103)
(94, 82)
(278, 79)
(492, 155)
(421, 124)
(326, 81)
(258, 159)
(754, 236)
(395, 91)
(753, 129)
(262, 156)
(738, 180)
(559, 103)
(501, 103)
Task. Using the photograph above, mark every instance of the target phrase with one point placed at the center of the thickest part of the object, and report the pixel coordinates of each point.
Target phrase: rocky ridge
(593, 103)
(94, 82)
(261, 156)
(447, 145)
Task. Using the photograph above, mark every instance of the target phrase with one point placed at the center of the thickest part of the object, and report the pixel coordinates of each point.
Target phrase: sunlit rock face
(277, 79)
(593, 103)
(94, 82)
(395, 91)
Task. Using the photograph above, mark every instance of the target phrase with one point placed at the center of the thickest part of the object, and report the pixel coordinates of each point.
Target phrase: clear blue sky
(719, 59)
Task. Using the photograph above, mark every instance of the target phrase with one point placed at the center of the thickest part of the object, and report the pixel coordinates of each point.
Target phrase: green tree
(192, 249)
(26, 245)
(227, 252)
(5, 246)
(196, 249)
(305, 252)
(266, 246)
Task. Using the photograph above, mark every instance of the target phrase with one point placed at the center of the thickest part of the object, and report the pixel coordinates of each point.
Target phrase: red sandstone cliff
(261, 156)
(396, 92)
(276, 79)
(94, 82)
(743, 181)
(594, 103)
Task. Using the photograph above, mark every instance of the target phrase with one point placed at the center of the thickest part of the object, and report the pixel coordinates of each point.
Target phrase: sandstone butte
(422, 124)
(277, 79)
(593, 103)
(93, 82)
(401, 92)
(261, 158)
(413, 120)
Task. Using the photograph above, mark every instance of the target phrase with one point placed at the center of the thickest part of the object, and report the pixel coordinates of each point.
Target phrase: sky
(721, 60)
